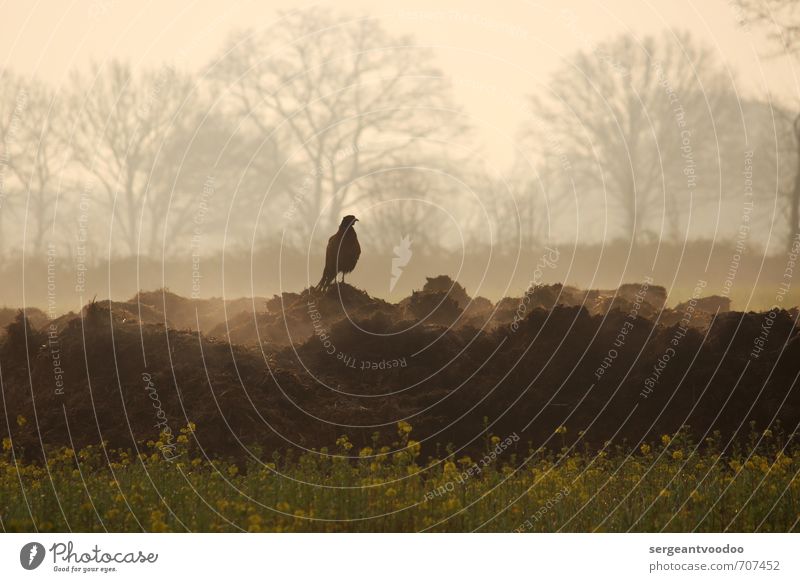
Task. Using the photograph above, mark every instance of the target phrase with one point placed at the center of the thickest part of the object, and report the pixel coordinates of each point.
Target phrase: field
(668, 485)
(563, 410)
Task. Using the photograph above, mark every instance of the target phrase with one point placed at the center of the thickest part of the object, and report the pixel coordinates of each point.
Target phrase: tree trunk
(631, 211)
(794, 196)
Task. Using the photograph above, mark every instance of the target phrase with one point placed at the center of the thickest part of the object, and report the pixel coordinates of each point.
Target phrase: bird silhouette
(342, 253)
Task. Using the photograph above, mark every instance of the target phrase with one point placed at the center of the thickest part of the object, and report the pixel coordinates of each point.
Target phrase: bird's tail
(324, 283)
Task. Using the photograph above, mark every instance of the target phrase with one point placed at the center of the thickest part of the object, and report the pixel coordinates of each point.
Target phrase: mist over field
(635, 155)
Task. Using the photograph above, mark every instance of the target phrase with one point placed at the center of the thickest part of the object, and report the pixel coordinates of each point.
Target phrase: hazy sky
(495, 52)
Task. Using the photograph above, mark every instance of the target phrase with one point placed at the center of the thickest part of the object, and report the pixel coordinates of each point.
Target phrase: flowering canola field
(670, 485)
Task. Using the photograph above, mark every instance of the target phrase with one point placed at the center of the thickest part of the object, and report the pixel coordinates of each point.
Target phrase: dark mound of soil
(310, 367)
(36, 316)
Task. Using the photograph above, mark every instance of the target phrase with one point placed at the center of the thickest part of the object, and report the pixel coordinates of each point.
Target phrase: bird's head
(347, 222)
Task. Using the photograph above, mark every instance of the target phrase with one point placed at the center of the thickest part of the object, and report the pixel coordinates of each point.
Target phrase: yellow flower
(664, 493)
(403, 427)
(182, 439)
(452, 503)
(344, 442)
(677, 455)
(390, 492)
(645, 448)
(6, 444)
(21, 420)
(495, 440)
(233, 470)
(365, 452)
(561, 430)
(665, 440)
(283, 507)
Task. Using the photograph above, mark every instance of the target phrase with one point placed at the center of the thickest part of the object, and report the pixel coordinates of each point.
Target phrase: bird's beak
(356, 220)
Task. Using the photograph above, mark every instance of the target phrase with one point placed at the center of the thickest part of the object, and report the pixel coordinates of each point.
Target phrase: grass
(671, 485)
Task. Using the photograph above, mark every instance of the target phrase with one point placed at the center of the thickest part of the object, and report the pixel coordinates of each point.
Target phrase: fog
(217, 160)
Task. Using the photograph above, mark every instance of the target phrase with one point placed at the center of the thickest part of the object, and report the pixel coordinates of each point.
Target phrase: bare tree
(342, 98)
(39, 163)
(13, 107)
(781, 19)
(122, 123)
(541, 190)
(635, 120)
(406, 203)
(34, 156)
(792, 195)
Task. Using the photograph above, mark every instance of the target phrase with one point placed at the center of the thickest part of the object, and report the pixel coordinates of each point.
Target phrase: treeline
(287, 129)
